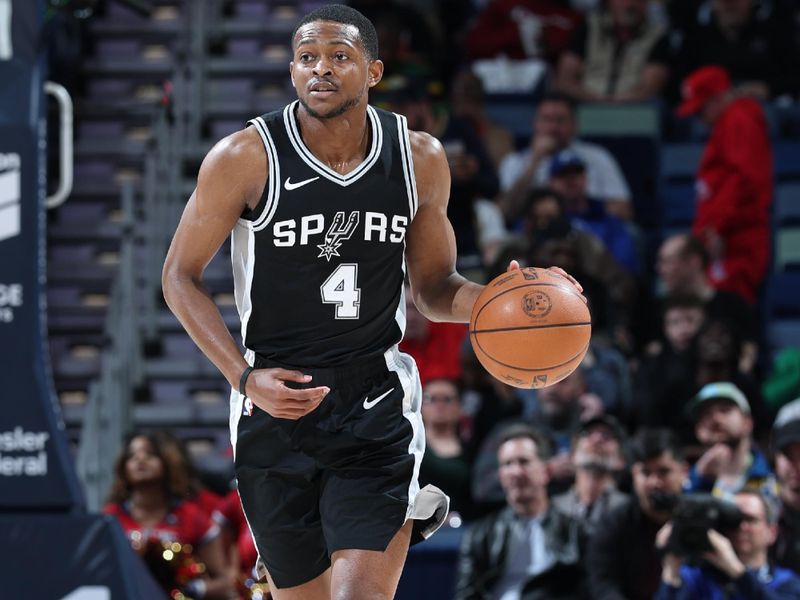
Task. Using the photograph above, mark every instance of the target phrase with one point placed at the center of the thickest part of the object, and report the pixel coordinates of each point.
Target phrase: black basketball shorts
(342, 477)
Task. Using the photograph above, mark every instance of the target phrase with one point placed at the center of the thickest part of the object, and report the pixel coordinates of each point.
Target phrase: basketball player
(329, 201)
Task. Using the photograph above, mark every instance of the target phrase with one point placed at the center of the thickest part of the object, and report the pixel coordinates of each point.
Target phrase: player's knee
(360, 592)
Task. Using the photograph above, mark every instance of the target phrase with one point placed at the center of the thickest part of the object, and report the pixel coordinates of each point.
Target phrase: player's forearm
(200, 316)
(450, 301)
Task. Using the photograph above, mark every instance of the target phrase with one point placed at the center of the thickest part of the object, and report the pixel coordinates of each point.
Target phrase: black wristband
(243, 380)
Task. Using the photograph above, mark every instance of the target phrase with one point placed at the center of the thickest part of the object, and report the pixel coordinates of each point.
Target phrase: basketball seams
(528, 369)
(523, 285)
(523, 327)
(504, 327)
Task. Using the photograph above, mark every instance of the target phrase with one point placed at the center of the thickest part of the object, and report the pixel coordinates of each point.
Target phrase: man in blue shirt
(735, 568)
(568, 177)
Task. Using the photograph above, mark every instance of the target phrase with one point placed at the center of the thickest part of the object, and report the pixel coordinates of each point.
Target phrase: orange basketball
(530, 328)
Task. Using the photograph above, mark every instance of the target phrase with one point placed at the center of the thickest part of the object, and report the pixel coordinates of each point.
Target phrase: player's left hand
(514, 264)
(568, 277)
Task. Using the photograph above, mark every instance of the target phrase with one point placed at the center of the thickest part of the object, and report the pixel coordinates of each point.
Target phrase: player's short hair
(339, 13)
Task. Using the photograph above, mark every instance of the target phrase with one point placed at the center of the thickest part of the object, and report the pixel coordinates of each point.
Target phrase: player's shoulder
(424, 146)
(240, 157)
(241, 146)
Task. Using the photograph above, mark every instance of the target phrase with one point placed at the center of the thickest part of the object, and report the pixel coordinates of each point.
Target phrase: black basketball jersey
(319, 263)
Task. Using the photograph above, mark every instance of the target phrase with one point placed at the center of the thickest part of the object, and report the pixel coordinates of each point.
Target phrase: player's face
(330, 70)
(142, 464)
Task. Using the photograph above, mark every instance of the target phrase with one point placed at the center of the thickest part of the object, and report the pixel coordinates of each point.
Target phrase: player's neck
(340, 142)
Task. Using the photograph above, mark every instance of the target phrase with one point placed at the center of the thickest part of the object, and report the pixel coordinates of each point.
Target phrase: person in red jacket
(522, 29)
(734, 181)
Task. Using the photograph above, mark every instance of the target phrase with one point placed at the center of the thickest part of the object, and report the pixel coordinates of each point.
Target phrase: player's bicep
(228, 179)
(430, 243)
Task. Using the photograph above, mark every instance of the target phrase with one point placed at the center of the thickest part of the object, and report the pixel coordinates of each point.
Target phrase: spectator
(622, 560)
(148, 498)
(734, 182)
(568, 178)
(730, 462)
(682, 266)
(752, 39)
(718, 349)
(242, 553)
(562, 407)
(786, 445)
(607, 374)
(551, 239)
(522, 29)
(664, 381)
(468, 100)
(554, 127)
(445, 463)
(598, 458)
(619, 55)
(474, 216)
(434, 346)
(486, 400)
(409, 39)
(734, 568)
(527, 550)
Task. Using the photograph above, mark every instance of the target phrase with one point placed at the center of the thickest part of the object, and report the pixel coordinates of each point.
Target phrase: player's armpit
(440, 293)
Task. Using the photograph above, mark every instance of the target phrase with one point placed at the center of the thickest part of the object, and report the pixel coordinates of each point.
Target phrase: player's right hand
(268, 391)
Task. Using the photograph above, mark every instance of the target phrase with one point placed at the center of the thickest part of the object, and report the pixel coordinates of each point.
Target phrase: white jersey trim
(428, 504)
(408, 165)
(273, 176)
(243, 263)
(312, 161)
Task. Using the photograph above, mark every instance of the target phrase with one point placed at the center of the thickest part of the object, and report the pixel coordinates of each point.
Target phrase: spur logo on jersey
(337, 233)
(368, 225)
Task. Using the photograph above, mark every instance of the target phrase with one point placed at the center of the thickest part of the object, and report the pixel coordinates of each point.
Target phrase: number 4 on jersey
(340, 289)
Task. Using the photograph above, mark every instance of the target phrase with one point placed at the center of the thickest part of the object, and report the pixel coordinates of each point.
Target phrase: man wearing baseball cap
(598, 455)
(734, 181)
(723, 424)
(786, 447)
(568, 177)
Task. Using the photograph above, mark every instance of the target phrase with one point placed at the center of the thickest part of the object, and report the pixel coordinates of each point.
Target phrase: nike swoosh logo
(289, 186)
(370, 403)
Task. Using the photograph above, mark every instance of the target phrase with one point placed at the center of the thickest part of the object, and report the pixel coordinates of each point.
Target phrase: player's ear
(291, 71)
(375, 69)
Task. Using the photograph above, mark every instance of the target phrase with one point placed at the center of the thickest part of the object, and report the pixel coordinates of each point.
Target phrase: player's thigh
(318, 588)
(370, 574)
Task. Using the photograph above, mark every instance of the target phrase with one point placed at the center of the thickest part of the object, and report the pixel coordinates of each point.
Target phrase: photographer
(786, 446)
(622, 560)
(734, 568)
